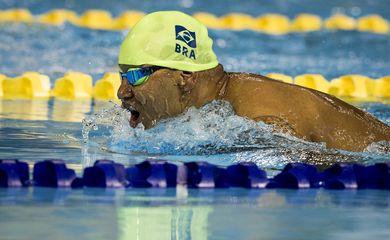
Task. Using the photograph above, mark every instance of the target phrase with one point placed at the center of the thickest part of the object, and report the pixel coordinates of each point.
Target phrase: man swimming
(167, 65)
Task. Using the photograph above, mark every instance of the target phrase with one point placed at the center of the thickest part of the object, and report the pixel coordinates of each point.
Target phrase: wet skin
(299, 111)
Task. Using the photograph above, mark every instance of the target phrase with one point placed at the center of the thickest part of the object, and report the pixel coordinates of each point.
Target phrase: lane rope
(270, 23)
(77, 85)
(163, 174)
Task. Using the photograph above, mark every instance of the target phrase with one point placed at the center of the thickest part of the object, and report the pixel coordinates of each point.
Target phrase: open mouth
(135, 118)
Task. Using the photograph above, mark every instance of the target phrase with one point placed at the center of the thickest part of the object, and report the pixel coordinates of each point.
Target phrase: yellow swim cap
(169, 39)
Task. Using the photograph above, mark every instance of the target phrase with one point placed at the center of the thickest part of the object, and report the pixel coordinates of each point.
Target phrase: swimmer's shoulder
(242, 76)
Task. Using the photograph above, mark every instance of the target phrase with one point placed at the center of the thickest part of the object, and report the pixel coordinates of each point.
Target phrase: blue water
(95, 52)
(42, 213)
(36, 130)
(290, 8)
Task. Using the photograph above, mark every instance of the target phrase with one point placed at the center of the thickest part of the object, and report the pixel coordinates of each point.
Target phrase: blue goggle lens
(137, 76)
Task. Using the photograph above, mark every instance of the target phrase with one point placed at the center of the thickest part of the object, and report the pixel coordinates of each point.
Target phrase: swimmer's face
(156, 99)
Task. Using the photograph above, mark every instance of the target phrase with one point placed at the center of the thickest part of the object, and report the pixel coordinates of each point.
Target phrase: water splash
(212, 133)
(380, 148)
(112, 116)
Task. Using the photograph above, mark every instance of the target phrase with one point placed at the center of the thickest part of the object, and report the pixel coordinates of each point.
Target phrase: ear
(187, 81)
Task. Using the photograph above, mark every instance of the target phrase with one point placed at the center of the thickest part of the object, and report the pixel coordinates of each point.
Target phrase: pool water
(44, 213)
(81, 132)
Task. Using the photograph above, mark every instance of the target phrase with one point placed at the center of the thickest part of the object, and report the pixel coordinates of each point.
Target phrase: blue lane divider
(340, 176)
(13, 173)
(246, 175)
(152, 174)
(373, 177)
(105, 174)
(162, 174)
(202, 175)
(53, 173)
(344, 176)
(296, 175)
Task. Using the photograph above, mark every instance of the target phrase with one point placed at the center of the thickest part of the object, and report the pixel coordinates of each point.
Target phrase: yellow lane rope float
(268, 23)
(78, 86)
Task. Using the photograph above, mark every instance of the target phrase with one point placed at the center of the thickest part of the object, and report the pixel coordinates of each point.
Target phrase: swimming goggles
(137, 76)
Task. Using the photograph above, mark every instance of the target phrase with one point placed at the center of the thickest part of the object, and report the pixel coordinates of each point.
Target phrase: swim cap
(169, 39)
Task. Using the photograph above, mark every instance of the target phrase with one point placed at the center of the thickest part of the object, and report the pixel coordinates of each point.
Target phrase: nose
(125, 90)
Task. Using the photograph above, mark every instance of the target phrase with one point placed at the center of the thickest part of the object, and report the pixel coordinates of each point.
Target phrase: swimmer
(167, 65)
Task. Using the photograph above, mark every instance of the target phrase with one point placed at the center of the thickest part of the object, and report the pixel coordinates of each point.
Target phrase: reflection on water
(25, 109)
(70, 111)
(36, 130)
(46, 213)
(53, 109)
(181, 222)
